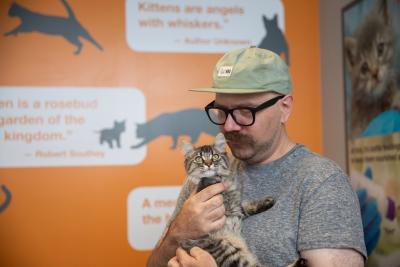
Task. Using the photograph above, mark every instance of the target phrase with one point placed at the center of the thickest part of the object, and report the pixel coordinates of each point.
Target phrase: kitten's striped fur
(210, 164)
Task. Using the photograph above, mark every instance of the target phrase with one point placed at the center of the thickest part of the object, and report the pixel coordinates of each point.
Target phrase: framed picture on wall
(371, 58)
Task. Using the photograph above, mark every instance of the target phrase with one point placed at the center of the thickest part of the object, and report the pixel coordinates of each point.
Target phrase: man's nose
(230, 124)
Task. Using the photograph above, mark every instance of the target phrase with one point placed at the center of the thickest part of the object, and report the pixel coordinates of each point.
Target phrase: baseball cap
(250, 70)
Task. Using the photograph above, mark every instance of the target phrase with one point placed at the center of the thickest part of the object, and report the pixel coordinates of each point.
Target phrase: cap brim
(230, 90)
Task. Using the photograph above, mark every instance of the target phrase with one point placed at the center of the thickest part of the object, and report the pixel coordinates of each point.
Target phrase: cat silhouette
(67, 27)
(111, 135)
(190, 122)
(275, 39)
(7, 200)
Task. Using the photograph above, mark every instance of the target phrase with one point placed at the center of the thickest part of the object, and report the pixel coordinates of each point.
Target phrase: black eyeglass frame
(253, 111)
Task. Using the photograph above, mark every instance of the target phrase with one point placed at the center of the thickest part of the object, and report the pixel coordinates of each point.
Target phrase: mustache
(235, 136)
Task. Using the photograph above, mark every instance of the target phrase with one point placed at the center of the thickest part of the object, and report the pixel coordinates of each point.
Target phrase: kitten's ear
(350, 51)
(219, 143)
(187, 148)
(383, 10)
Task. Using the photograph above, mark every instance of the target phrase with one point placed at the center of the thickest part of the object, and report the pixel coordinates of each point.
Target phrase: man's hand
(201, 214)
(196, 258)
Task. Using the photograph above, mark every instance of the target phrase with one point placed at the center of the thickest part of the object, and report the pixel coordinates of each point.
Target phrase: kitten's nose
(208, 162)
(375, 73)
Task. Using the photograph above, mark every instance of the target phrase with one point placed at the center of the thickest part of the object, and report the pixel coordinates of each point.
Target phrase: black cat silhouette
(190, 122)
(110, 135)
(67, 27)
(275, 39)
(7, 200)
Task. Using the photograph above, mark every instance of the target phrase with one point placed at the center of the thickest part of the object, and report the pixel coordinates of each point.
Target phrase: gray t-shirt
(315, 207)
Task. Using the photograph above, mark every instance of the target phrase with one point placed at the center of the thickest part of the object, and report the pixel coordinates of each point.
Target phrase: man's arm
(200, 214)
(333, 257)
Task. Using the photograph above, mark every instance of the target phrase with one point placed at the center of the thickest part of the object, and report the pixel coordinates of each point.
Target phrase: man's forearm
(164, 251)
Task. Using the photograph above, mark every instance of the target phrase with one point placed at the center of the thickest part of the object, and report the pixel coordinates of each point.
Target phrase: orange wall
(76, 216)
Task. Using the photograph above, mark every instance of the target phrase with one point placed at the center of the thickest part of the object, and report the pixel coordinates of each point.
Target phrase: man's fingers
(203, 257)
(218, 224)
(183, 258)
(210, 191)
(196, 252)
(214, 202)
(180, 252)
(173, 262)
(216, 213)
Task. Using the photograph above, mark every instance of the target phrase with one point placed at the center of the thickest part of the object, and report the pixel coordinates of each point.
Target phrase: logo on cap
(225, 71)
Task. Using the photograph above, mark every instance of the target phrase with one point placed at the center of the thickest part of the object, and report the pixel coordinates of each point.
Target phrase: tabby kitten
(208, 165)
(369, 55)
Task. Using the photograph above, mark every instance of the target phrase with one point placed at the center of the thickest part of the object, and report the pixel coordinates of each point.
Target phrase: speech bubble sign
(149, 209)
(205, 26)
(69, 126)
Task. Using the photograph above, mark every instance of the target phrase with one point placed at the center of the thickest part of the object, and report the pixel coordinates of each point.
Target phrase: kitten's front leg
(257, 206)
(202, 242)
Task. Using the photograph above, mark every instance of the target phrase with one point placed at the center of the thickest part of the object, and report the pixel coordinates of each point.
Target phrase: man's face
(255, 143)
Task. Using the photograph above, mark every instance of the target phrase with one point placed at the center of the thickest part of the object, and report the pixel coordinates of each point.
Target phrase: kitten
(369, 55)
(208, 165)
(68, 27)
(112, 134)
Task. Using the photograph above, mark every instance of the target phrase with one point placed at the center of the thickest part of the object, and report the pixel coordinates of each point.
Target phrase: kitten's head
(370, 53)
(207, 160)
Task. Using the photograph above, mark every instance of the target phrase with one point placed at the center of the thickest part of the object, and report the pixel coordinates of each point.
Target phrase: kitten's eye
(215, 157)
(364, 68)
(198, 159)
(380, 48)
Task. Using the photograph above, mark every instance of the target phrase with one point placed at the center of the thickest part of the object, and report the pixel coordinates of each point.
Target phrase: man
(316, 214)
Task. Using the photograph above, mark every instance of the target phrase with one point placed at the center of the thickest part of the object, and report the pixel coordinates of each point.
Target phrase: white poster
(205, 26)
(69, 126)
(149, 210)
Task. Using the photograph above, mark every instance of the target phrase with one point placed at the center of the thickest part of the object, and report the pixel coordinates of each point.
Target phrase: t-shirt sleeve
(330, 216)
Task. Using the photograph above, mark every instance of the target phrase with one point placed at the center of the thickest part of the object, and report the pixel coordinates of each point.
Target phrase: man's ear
(286, 106)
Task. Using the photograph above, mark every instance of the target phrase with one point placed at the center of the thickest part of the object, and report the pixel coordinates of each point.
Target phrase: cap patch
(225, 71)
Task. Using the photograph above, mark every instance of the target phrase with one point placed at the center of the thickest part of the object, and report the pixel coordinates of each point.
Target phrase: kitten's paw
(268, 203)
(201, 243)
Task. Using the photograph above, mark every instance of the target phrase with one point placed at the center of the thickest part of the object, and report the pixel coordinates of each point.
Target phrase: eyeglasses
(244, 116)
